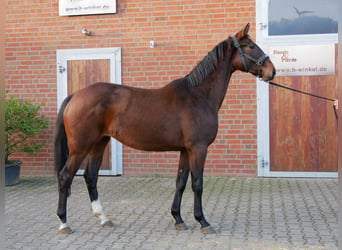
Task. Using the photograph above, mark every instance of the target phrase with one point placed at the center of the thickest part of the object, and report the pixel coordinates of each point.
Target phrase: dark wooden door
(303, 128)
(82, 73)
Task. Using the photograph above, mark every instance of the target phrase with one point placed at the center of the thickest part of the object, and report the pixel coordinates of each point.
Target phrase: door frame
(114, 56)
(263, 118)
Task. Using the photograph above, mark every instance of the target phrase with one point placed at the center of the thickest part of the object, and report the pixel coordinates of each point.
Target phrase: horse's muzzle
(268, 71)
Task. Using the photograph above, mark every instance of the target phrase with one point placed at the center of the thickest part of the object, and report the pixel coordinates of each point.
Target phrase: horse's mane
(208, 64)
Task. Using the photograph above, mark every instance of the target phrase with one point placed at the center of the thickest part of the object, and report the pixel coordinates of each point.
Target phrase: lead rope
(335, 105)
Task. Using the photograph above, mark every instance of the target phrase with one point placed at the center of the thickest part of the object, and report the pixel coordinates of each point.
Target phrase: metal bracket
(262, 26)
(264, 163)
(61, 69)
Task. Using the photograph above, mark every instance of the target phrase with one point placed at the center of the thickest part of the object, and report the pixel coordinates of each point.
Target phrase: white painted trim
(114, 55)
(268, 173)
(263, 130)
(263, 136)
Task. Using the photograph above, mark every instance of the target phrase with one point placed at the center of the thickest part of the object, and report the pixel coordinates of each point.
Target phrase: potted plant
(22, 122)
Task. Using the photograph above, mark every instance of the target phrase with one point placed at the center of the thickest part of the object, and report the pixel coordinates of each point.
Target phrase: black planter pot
(12, 173)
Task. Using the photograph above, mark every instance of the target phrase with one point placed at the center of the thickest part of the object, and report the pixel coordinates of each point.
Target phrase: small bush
(22, 122)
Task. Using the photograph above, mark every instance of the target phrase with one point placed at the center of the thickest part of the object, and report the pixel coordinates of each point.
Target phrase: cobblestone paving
(248, 213)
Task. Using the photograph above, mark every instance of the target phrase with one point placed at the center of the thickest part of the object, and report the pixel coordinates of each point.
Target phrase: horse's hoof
(181, 227)
(66, 230)
(108, 223)
(208, 230)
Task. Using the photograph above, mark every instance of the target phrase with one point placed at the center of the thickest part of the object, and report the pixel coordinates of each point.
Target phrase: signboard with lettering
(86, 7)
(303, 59)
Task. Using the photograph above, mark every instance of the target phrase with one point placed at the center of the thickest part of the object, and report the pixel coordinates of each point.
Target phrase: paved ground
(248, 213)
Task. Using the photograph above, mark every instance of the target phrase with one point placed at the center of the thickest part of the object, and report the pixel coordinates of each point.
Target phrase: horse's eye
(252, 46)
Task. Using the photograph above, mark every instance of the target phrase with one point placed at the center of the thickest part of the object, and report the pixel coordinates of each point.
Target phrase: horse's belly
(148, 138)
(148, 144)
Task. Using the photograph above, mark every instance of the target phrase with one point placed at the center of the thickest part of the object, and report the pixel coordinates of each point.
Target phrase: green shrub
(22, 122)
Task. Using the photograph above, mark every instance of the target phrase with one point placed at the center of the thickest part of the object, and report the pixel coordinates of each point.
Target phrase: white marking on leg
(62, 225)
(98, 211)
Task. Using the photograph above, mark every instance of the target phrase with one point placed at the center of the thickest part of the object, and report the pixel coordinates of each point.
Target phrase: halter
(259, 62)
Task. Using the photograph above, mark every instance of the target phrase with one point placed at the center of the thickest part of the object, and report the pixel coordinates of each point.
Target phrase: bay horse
(181, 116)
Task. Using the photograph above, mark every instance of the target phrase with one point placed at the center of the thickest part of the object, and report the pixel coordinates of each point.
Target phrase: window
(302, 17)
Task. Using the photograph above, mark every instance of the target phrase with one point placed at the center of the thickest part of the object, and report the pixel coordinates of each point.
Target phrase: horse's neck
(217, 83)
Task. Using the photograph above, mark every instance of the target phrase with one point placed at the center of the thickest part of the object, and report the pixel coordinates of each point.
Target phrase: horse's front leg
(182, 178)
(197, 158)
(91, 176)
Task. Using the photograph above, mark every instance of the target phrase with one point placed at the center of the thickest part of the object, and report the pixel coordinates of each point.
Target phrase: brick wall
(184, 31)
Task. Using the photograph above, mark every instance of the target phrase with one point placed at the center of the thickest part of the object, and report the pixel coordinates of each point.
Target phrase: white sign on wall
(303, 59)
(86, 7)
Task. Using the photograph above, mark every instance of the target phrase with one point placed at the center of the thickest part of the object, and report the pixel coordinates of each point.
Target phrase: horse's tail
(61, 140)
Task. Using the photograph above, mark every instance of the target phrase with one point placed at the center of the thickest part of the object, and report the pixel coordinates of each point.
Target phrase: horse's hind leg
(91, 175)
(65, 178)
(182, 178)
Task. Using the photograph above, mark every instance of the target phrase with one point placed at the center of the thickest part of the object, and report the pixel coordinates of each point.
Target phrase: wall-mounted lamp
(152, 44)
(87, 32)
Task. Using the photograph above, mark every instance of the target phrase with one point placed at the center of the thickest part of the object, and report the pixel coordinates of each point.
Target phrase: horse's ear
(246, 29)
(244, 32)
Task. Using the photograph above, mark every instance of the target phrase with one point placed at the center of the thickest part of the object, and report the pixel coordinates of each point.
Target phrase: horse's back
(98, 94)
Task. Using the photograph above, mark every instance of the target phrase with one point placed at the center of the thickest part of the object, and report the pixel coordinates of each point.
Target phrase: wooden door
(82, 73)
(303, 128)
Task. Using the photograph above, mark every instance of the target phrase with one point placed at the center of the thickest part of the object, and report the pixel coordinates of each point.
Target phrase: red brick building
(42, 45)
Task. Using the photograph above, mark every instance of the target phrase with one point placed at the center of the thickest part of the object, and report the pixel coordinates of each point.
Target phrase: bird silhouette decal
(302, 12)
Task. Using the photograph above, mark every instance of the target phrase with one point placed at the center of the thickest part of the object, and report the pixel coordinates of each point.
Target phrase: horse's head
(250, 58)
